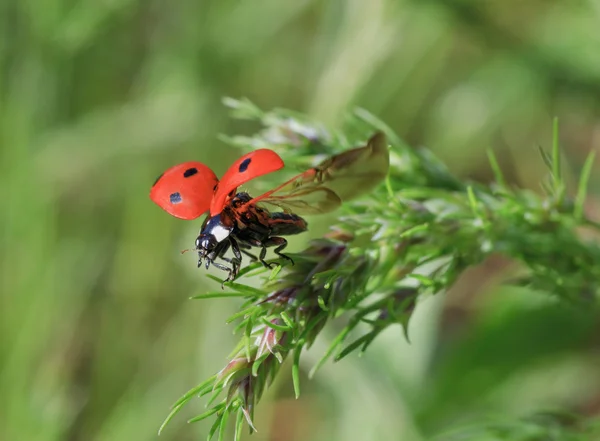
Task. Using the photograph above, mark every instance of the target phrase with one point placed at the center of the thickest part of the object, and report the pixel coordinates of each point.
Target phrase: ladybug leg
(244, 247)
(261, 256)
(263, 252)
(221, 255)
(235, 265)
(236, 262)
(219, 251)
(250, 255)
(280, 243)
(230, 276)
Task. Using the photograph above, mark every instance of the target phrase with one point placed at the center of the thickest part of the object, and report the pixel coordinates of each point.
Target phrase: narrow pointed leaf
(169, 417)
(223, 425)
(556, 165)
(214, 428)
(215, 295)
(586, 172)
(206, 414)
(207, 384)
(498, 175)
(296, 371)
(274, 326)
(239, 424)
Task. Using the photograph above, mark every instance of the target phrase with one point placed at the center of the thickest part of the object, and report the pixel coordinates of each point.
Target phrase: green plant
(410, 238)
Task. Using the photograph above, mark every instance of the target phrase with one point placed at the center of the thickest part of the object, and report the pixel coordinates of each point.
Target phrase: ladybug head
(205, 243)
(213, 233)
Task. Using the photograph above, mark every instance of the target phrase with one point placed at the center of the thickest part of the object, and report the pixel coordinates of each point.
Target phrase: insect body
(239, 222)
(241, 230)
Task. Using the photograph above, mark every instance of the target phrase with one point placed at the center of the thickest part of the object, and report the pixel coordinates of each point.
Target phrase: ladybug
(239, 222)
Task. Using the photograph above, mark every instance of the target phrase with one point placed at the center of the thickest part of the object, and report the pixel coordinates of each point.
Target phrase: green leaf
(216, 388)
(498, 175)
(321, 302)
(287, 319)
(257, 363)
(241, 313)
(296, 370)
(218, 280)
(312, 324)
(249, 419)
(275, 272)
(332, 347)
(473, 201)
(354, 345)
(546, 158)
(248, 340)
(216, 393)
(586, 172)
(277, 354)
(213, 295)
(239, 424)
(413, 230)
(251, 269)
(556, 162)
(389, 187)
(208, 413)
(236, 373)
(223, 425)
(207, 384)
(169, 417)
(274, 326)
(424, 280)
(214, 428)
(249, 290)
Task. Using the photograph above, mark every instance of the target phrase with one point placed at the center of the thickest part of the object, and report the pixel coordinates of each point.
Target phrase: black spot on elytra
(244, 165)
(175, 198)
(190, 172)
(158, 179)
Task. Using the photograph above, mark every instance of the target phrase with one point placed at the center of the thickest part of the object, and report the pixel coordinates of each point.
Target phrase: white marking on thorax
(220, 232)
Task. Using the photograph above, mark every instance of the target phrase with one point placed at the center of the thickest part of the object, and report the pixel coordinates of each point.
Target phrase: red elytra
(190, 189)
(251, 165)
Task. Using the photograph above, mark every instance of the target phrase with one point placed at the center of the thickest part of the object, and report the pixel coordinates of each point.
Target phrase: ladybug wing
(185, 190)
(356, 171)
(310, 199)
(252, 165)
(341, 177)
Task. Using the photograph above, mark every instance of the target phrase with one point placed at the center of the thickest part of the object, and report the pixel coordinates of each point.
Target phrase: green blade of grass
(169, 417)
(223, 425)
(586, 173)
(296, 371)
(208, 413)
(216, 295)
(498, 175)
(556, 164)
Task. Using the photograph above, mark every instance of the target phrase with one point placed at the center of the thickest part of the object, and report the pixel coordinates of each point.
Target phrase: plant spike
(422, 229)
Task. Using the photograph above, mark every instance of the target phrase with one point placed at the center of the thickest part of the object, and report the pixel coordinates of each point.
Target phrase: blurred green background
(97, 335)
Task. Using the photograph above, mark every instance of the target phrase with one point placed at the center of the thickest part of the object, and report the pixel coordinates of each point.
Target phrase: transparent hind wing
(339, 178)
(356, 171)
(305, 200)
